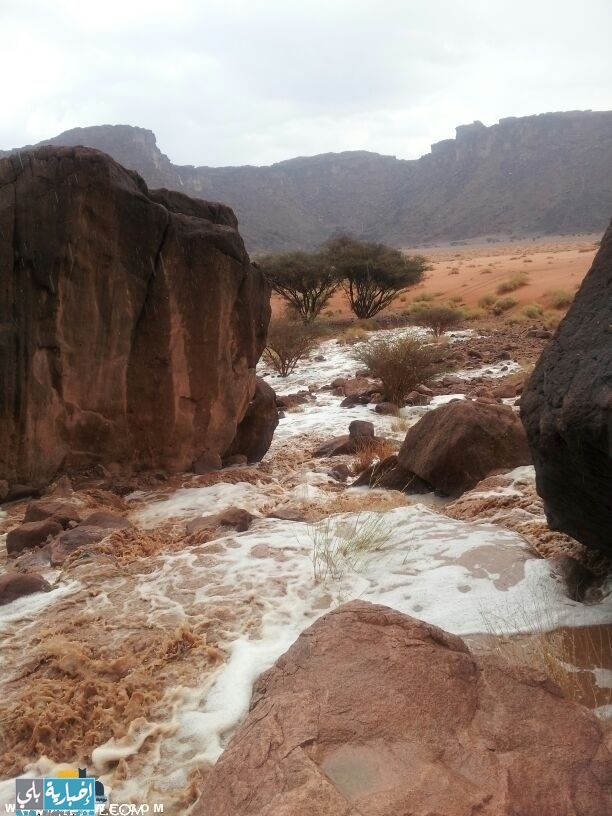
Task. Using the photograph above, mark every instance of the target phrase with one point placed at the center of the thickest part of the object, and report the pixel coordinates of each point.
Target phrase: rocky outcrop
(536, 174)
(567, 412)
(131, 320)
(15, 585)
(256, 429)
(360, 438)
(455, 446)
(375, 713)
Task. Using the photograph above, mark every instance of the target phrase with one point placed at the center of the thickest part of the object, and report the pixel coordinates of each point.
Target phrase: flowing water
(139, 663)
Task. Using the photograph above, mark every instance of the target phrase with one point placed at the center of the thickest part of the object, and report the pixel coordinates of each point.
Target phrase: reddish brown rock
(234, 518)
(15, 585)
(32, 534)
(388, 475)
(255, 431)
(373, 713)
(140, 319)
(387, 408)
(456, 445)
(69, 541)
(361, 387)
(56, 510)
(107, 521)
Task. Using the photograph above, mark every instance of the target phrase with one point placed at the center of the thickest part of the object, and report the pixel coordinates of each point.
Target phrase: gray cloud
(255, 82)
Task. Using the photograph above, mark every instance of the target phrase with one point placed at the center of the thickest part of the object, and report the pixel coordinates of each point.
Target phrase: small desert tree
(402, 364)
(305, 280)
(289, 341)
(372, 274)
(437, 318)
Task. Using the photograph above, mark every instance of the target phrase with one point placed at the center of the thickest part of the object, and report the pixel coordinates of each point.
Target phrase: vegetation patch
(503, 305)
(402, 364)
(512, 284)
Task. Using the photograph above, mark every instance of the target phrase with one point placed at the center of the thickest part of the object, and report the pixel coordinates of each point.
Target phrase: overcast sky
(257, 81)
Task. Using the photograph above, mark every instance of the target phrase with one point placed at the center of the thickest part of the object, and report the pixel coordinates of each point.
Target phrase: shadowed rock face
(131, 320)
(374, 713)
(567, 412)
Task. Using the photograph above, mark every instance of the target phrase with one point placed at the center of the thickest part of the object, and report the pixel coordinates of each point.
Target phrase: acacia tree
(305, 280)
(372, 274)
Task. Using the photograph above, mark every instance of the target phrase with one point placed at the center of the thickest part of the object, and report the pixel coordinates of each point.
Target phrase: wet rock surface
(372, 712)
(154, 286)
(567, 412)
(15, 585)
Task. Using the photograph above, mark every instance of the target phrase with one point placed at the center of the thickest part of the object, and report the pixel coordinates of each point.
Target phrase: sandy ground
(463, 274)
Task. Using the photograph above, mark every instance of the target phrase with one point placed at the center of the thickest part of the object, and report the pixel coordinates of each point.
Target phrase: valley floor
(140, 661)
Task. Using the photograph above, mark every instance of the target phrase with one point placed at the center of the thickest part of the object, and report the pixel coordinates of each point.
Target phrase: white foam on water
(259, 587)
(29, 607)
(197, 501)
(417, 571)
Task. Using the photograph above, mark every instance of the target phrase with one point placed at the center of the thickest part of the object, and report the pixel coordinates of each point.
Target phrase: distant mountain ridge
(544, 174)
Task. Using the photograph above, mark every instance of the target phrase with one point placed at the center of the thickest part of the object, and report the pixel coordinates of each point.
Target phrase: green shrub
(532, 311)
(402, 364)
(424, 297)
(503, 305)
(560, 299)
(474, 314)
(486, 301)
(438, 318)
(512, 284)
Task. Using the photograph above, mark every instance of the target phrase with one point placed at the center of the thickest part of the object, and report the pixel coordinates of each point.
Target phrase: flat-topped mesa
(131, 321)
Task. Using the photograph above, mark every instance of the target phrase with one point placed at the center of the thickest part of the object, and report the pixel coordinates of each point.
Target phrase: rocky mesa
(544, 174)
(131, 320)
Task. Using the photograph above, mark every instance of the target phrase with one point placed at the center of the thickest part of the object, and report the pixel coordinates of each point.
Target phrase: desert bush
(351, 335)
(486, 301)
(474, 314)
(503, 305)
(551, 319)
(512, 284)
(402, 364)
(532, 311)
(371, 449)
(289, 341)
(560, 299)
(438, 318)
(424, 297)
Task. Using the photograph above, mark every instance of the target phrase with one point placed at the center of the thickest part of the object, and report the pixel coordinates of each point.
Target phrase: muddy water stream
(139, 663)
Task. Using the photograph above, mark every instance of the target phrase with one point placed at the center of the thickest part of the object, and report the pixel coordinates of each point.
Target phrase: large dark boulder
(567, 412)
(255, 431)
(15, 585)
(455, 446)
(131, 321)
(374, 713)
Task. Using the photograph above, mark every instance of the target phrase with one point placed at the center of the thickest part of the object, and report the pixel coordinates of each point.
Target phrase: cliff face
(539, 174)
(131, 320)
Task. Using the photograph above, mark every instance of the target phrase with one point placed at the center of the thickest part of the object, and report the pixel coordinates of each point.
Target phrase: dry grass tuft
(371, 450)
